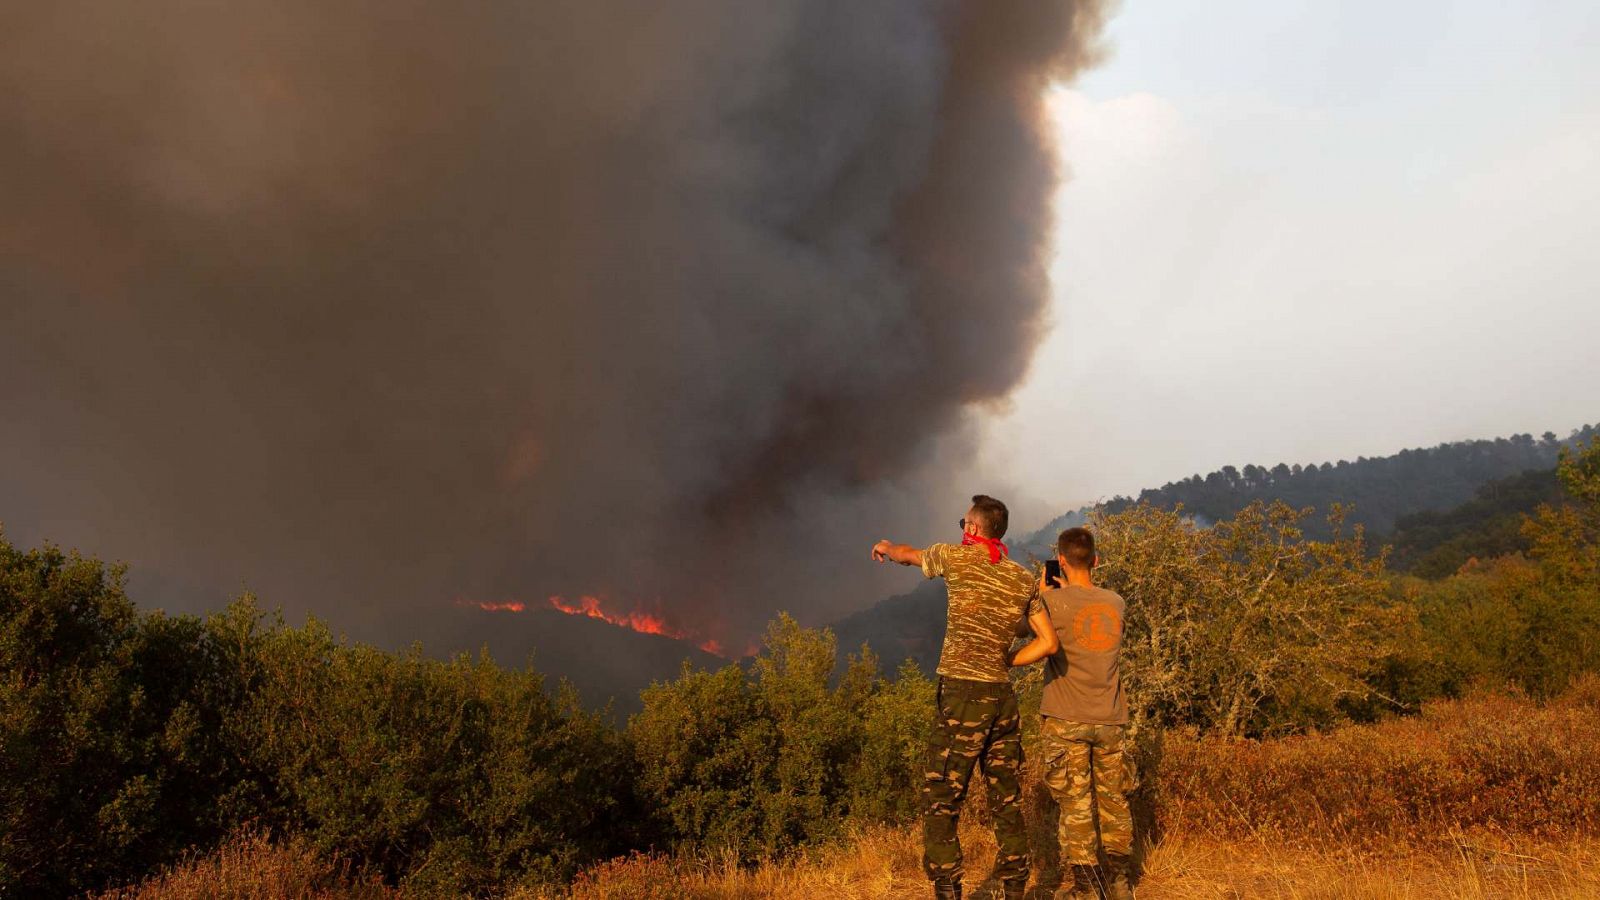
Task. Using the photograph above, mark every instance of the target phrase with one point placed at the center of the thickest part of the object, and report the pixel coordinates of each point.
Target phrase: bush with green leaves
(1247, 626)
(765, 760)
(1528, 621)
(126, 738)
(455, 776)
(111, 754)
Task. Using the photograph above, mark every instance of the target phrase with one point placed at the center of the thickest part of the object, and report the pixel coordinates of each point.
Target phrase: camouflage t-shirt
(987, 600)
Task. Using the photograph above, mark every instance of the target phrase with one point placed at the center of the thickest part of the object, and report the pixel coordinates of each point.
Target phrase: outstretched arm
(904, 554)
(1044, 640)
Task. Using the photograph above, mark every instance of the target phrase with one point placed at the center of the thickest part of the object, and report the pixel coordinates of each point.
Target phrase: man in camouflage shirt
(976, 720)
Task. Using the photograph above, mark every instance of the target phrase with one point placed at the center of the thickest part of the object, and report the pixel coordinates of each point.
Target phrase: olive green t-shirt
(1083, 680)
(987, 600)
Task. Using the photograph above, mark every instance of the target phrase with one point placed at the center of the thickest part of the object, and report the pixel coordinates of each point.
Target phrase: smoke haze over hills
(377, 306)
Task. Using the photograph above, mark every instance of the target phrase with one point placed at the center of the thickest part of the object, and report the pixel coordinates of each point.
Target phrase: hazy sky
(1306, 231)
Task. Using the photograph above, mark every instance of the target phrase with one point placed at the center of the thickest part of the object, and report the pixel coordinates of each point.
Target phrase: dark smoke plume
(376, 304)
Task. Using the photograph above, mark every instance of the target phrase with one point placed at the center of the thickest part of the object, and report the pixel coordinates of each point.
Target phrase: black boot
(1080, 884)
(1014, 888)
(946, 889)
(1119, 880)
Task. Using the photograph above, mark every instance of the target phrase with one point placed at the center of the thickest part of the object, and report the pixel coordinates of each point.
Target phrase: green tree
(1563, 637)
(1248, 626)
(450, 776)
(782, 755)
(110, 754)
(129, 738)
(896, 723)
(1532, 622)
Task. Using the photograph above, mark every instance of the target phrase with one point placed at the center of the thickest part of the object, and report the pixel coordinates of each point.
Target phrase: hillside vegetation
(1435, 543)
(1489, 797)
(130, 739)
(1377, 490)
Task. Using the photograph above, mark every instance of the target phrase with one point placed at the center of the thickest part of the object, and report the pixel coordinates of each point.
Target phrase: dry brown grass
(1478, 868)
(1490, 763)
(874, 863)
(250, 867)
(885, 865)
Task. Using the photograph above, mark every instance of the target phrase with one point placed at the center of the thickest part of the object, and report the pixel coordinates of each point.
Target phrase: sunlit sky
(1309, 231)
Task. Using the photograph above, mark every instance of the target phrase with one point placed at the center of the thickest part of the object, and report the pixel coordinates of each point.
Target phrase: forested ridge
(1377, 490)
(1435, 543)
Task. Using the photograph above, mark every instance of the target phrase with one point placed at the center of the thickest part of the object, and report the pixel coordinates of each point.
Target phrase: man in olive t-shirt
(1084, 715)
(976, 719)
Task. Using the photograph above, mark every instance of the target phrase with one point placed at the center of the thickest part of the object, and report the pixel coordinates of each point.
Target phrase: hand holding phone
(1052, 574)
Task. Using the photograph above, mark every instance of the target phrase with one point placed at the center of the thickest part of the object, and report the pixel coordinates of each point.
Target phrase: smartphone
(1052, 572)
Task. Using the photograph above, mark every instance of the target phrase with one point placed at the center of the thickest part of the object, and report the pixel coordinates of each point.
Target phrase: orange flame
(638, 619)
(592, 607)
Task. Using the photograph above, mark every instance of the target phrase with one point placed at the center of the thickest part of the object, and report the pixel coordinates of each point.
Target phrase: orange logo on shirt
(1096, 627)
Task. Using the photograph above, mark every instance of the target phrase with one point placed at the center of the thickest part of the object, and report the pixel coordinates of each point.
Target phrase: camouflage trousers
(1085, 770)
(976, 724)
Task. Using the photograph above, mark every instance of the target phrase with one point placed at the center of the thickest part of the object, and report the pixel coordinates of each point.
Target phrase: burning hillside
(636, 619)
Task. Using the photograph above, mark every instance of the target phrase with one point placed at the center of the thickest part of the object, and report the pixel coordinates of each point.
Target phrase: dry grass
(1494, 763)
(874, 863)
(885, 864)
(250, 867)
(1480, 868)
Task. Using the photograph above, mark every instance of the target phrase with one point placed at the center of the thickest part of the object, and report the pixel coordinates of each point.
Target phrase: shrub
(1531, 622)
(896, 721)
(453, 776)
(110, 756)
(127, 738)
(1494, 762)
(763, 761)
(250, 865)
(1247, 626)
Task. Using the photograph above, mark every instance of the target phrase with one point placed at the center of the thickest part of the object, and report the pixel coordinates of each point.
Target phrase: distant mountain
(1410, 491)
(1041, 544)
(905, 626)
(603, 662)
(1381, 489)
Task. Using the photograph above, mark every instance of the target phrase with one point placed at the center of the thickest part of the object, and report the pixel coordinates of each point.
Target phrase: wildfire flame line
(592, 607)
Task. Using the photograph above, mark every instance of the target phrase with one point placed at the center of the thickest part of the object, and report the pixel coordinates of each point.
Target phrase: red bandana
(996, 549)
